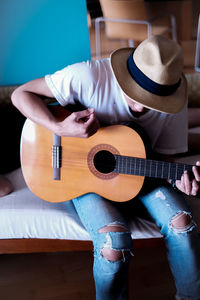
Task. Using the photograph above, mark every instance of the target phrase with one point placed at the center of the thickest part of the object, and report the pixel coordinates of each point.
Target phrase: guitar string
(152, 163)
(177, 166)
(139, 159)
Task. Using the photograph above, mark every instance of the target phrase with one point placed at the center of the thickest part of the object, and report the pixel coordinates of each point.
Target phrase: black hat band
(148, 84)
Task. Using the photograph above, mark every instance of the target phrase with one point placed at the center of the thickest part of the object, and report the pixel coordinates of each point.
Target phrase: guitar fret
(156, 169)
(168, 173)
(153, 168)
(139, 166)
(131, 171)
(159, 171)
(120, 163)
(176, 171)
(135, 165)
(147, 169)
(165, 171)
(145, 166)
(125, 164)
(162, 171)
(173, 171)
(150, 168)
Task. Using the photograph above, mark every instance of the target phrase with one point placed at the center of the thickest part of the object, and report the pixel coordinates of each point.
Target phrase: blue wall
(38, 37)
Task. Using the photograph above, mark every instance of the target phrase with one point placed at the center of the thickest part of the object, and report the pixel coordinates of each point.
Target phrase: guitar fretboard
(149, 168)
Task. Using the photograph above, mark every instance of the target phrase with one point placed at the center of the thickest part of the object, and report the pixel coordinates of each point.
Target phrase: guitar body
(78, 172)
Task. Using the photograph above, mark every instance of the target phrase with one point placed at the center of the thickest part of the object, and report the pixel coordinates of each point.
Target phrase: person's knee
(118, 245)
(182, 222)
(5, 186)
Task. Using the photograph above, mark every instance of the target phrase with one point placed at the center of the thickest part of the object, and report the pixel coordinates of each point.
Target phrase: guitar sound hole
(104, 161)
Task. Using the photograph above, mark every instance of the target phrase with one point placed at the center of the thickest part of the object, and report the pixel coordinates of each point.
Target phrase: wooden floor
(68, 276)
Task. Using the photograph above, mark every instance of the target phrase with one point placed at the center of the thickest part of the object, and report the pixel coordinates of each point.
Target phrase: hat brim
(169, 104)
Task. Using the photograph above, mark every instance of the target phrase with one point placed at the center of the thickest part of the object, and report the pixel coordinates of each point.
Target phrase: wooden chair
(128, 20)
(197, 53)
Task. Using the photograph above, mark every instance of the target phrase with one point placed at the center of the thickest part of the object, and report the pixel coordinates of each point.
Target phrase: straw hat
(152, 74)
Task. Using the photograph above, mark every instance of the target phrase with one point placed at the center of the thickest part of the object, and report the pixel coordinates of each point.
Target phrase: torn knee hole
(116, 255)
(112, 255)
(113, 228)
(117, 243)
(182, 220)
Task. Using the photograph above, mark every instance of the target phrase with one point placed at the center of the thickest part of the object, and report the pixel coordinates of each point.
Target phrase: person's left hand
(188, 186)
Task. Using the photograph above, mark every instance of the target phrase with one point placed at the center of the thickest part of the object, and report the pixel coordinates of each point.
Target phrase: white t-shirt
(93, 84)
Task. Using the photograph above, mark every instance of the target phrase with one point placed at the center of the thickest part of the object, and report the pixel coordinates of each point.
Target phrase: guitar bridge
(56, 156)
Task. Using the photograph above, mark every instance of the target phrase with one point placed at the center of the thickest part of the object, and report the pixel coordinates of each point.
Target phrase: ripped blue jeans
(107, 223)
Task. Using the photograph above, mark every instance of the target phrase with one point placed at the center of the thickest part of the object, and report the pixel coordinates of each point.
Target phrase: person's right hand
(79, 124)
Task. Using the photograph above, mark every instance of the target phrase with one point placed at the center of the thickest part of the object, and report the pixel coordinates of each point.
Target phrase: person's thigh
(97, 212)
(163, 203)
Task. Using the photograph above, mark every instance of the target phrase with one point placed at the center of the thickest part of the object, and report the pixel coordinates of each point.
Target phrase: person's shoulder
(85, 70)
(90, 65)
(91, 69)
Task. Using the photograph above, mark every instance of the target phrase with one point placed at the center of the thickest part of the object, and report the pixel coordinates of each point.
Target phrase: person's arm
(28, 100)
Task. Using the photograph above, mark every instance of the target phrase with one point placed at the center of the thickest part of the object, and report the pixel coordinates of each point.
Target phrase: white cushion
(23, 215)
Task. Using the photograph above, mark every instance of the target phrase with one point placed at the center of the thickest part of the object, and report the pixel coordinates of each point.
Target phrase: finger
(197, 170)
(187, 183)
(84, 113)
(195, 187)
(180, 184)
(92, 122)
(198, 163)
(92, 127)
(196, 173)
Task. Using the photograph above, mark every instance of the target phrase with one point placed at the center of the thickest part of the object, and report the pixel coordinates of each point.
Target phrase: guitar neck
(150, 168)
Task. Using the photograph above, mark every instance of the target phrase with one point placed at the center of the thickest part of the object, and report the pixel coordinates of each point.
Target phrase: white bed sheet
(23, 215)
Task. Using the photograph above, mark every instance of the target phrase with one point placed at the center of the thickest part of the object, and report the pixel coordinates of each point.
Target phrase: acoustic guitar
(111, 163)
